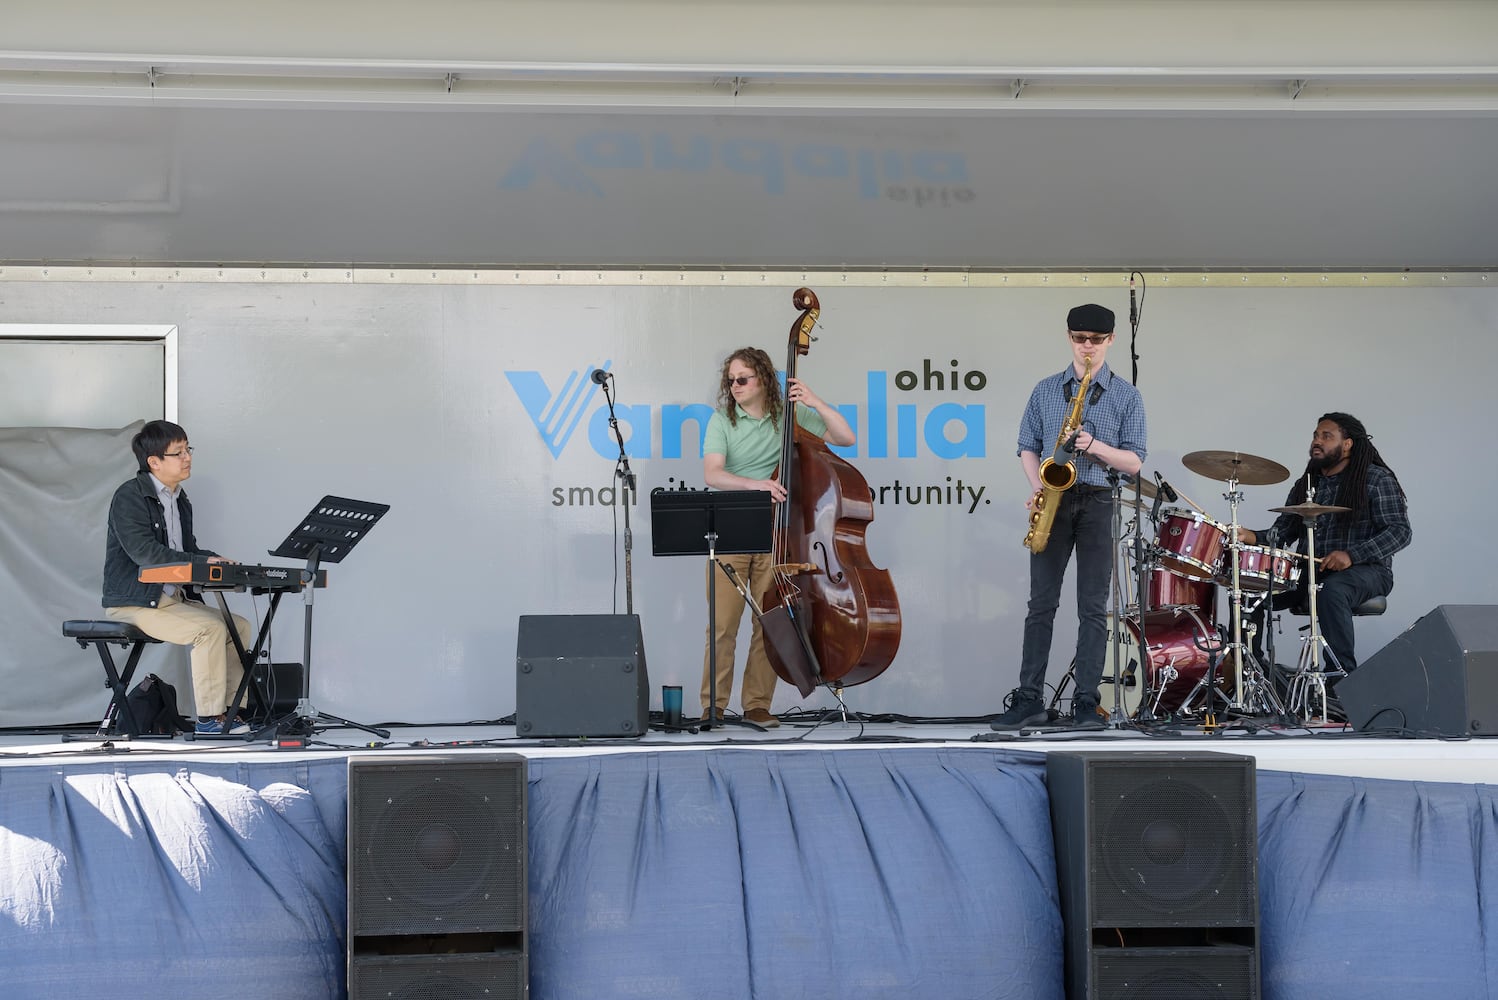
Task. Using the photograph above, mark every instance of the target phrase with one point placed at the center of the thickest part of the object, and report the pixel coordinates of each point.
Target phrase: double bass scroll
(830, 616)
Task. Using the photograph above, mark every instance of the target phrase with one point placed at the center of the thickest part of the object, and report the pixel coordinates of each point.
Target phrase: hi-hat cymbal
(1310, 509)
(1234, 466)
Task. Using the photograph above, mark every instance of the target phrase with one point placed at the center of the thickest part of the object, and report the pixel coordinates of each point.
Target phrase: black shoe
(1022, 713)
(1084, 717)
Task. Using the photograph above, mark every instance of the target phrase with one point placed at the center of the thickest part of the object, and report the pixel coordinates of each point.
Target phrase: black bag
(153, 707)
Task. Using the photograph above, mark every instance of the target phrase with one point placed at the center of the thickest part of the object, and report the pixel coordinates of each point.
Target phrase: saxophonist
(1110, 435)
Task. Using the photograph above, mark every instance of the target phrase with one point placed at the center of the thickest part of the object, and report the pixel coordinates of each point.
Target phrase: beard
(1323, 462)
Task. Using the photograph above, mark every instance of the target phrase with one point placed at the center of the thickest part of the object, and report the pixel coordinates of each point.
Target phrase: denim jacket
(137, 537)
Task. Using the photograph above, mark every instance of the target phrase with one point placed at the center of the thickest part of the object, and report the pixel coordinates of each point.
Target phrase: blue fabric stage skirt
(725, 873)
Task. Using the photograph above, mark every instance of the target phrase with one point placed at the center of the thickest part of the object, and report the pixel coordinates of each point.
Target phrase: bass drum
(1176, 664)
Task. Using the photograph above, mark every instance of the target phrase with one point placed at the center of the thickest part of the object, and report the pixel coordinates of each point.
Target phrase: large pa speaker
(475, 976)
(1439, 676)
(581, 675)
(1157, 865)
(436, 845)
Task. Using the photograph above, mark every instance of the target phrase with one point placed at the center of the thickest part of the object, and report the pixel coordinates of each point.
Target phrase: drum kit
(1169, 656)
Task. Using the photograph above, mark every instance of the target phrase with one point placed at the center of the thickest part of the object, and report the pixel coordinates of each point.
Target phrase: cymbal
(1147, 489)
(1230, 466)
(1310, 509)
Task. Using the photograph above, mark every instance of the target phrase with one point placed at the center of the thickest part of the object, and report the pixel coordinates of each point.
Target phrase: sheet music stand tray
(327, 534)
(709, 522)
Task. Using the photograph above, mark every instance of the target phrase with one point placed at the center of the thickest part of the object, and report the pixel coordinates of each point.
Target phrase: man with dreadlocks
(1358, 546)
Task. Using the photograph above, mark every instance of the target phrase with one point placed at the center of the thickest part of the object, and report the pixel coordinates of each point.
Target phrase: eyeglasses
(1096, 339)
(742, 379)
(179, 454)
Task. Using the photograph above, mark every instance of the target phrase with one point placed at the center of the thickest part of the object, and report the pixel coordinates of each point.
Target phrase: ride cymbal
(1234, 466)
(1310, 509)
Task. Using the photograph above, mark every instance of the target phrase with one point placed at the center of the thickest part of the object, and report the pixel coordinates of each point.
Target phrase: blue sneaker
(216, 727)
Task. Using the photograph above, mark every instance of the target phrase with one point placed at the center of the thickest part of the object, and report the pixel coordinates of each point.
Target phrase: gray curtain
(55, 486)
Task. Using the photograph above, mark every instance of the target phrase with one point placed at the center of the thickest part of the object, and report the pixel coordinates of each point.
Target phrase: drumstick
(1199, 508)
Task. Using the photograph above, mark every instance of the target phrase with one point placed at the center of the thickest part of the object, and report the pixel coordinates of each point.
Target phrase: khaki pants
(216, 670)
(759, 677)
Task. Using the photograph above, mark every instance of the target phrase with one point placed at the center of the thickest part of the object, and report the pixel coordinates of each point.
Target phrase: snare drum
(1259, 564)
(1191, 544)
(1175, 663)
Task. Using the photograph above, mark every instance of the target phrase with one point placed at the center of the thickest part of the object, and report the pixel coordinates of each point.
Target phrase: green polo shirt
(750, 447)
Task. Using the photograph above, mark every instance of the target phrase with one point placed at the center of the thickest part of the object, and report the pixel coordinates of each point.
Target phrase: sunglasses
(1096, 339)
(742, 379)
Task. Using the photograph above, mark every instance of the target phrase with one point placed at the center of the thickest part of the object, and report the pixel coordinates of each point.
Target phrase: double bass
(830, 616)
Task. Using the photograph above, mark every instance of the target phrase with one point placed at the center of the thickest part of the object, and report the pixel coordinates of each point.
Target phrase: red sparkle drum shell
(1258, 564)
(1167, 593)
(1190, 543)
(1175, 662)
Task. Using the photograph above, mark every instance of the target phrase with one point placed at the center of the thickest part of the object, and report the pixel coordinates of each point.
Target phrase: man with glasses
(740, 450)
(1112, 438)
(150, 521)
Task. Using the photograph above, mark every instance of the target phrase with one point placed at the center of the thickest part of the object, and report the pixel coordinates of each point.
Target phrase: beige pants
(759, 677)
(216, 670)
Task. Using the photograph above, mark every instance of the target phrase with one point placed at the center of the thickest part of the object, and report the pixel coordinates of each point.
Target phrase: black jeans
(1338, 594)
(1084, 522)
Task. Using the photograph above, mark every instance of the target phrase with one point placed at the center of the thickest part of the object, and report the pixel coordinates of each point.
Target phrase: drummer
(1347, 471)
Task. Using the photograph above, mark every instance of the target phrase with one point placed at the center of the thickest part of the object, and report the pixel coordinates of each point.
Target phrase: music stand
(327, 534)
(707, 522)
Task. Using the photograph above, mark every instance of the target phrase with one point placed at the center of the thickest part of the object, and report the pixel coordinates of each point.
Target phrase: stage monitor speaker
(581, 675)
(281, 683)
(1439, 676)
(1157, 866)
(437, 845)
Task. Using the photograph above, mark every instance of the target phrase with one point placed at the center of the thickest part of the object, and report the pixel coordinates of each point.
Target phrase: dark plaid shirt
(1372, 538)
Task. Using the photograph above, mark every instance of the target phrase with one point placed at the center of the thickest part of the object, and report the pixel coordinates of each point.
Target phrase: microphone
(1133, 305)
(1165, 490)
(600, 376)
(1071, 443)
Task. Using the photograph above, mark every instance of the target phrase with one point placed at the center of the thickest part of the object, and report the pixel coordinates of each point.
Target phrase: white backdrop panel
(452, 404)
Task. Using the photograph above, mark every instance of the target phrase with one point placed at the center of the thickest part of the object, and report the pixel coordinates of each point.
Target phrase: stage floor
(1331, 750)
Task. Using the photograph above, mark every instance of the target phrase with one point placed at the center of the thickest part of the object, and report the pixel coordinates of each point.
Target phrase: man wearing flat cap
(1111, 438)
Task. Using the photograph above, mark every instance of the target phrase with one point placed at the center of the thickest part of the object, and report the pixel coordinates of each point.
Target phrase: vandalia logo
(888, 426)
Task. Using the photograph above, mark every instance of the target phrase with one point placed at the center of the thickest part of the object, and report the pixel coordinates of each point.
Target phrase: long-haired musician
(1346, 470)
(740, 450)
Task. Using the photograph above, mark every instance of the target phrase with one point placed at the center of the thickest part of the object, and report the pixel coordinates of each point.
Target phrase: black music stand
(329, 532)
(707, 522)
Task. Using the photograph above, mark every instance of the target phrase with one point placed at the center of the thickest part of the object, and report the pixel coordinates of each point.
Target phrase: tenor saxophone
(1058, 473)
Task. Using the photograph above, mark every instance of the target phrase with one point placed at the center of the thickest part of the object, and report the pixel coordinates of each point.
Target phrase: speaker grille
(1226, 972)
(438, 977)
(436, 847)
(1170, 846)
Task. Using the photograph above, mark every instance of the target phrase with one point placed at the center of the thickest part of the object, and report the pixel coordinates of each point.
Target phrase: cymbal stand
(1252, 692)
(1310, 677)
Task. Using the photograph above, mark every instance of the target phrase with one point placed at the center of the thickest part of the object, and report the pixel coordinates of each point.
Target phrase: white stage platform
(1334, 750)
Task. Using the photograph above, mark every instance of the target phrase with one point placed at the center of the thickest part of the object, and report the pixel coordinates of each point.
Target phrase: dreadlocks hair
(764, 370)
(1354, 489)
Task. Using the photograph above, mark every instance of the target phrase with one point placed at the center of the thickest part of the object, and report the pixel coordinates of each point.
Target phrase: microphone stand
(622, 472)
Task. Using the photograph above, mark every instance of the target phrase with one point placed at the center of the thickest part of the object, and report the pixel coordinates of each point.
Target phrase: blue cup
(671, 703)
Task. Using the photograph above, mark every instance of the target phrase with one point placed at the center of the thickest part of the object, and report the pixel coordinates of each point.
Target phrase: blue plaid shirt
(1372, 538)
(1114, 415)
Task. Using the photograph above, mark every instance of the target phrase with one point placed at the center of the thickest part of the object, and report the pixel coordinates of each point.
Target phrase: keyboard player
(150, 521)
